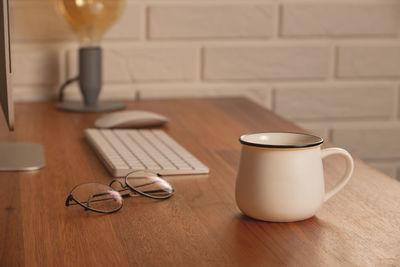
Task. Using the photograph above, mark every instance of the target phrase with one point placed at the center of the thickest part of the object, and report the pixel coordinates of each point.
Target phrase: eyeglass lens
(98, 197)
(149, 184)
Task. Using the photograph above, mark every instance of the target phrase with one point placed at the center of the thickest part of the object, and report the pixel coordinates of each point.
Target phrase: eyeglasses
(104, 198)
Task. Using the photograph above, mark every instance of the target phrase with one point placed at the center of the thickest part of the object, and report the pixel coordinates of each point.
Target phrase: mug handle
(349, 170)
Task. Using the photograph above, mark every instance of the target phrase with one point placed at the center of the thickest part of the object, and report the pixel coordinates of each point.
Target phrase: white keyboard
(124, 151)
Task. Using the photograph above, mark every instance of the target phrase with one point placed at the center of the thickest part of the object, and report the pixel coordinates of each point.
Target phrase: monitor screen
(5, 65)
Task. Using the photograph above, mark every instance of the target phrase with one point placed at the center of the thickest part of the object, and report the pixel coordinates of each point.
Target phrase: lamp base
(75, 106)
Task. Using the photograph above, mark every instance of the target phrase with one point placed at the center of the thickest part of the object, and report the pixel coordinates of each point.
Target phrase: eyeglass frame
(133, 193)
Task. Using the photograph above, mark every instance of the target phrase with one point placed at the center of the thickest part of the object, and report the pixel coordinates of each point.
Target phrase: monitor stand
(21, 157)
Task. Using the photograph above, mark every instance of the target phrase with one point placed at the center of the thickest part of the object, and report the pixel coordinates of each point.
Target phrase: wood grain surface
(201, 225)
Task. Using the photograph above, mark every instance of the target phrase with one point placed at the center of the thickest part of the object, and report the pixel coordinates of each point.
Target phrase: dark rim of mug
(317, 143)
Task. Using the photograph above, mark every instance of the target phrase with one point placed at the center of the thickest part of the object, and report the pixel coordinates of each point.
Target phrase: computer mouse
(130, 119)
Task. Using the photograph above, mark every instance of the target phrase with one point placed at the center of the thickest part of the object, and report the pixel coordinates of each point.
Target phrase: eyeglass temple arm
(90, 199)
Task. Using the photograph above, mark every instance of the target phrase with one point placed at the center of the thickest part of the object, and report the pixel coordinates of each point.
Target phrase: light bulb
(90, 19)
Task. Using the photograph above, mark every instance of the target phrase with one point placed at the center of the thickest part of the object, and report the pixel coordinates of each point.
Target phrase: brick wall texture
(333, 67)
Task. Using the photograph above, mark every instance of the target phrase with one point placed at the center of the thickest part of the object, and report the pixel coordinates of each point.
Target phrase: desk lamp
(90, 19)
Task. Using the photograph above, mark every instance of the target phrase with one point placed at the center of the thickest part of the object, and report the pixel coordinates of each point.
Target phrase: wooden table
(200, 225)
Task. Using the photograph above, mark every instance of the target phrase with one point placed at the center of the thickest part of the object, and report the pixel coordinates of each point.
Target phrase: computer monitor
(5, 67)
(13, 156)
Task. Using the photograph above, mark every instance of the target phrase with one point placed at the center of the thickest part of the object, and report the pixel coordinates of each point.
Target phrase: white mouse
(130, 119)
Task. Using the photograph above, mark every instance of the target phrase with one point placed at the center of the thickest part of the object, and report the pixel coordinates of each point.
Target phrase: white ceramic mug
(281, 178)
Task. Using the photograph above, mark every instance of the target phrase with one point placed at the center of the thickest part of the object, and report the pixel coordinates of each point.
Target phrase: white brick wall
(211, 21)
(310, 103)
(340, 19)
(331, 66)
(262, 62)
